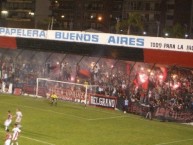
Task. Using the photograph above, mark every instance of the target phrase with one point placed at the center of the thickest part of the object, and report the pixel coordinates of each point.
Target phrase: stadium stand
(169, 88)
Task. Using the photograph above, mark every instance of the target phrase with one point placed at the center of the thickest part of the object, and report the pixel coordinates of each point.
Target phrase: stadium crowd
(169, 89)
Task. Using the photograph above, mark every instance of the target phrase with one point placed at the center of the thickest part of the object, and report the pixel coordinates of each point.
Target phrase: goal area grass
(73, 124)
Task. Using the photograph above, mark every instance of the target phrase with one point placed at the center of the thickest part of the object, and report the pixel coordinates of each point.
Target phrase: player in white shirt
(8, 120)
(15, 135)
(8, 138)
(19, 116)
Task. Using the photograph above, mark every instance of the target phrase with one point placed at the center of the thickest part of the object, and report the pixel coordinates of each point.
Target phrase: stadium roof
(184, 59)
(176, 52)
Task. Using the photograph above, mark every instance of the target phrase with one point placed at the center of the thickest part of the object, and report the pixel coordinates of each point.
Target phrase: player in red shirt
(8, 138)
(8, 120)
(15, 135)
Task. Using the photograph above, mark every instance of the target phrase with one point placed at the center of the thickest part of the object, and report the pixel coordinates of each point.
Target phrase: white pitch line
(106, 118)
(53, 112)
(37, 140)
(174, 142)
(83, 118)
(47, 111)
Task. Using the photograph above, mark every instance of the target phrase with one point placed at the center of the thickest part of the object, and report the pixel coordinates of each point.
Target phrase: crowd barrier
(73, 95)
(161, 113)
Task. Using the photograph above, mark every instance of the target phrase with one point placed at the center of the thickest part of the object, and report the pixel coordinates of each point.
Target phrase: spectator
(126, 105)
(150, 112)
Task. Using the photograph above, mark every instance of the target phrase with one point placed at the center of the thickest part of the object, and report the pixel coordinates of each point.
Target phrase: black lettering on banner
(156, 45)
(189, 47)
(102, 101)
(180, 47)
(169, 46)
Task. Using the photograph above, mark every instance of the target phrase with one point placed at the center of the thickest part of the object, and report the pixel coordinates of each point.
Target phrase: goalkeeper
(54, 99)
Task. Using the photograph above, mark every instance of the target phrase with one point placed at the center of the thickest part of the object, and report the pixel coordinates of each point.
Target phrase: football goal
(67, 91)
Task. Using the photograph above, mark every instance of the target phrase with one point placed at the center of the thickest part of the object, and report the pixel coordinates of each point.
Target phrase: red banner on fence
(17, 91)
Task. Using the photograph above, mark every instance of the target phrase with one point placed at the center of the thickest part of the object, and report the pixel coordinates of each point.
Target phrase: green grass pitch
(73, 124)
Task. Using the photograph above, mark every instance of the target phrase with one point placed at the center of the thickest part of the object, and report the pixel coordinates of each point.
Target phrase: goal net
(67, 91)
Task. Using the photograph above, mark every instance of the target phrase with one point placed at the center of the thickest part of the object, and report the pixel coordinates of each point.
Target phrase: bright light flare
(177, 85)
(161, 77)
(4, 12)
(100, 18)
(151, 73)
(92, 64)
(143, 78)
(72, 78)
(174, 76)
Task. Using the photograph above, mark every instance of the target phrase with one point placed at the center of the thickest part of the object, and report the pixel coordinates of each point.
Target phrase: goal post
(67, 91)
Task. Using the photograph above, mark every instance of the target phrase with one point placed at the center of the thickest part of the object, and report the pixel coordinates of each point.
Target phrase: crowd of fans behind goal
(169, 87)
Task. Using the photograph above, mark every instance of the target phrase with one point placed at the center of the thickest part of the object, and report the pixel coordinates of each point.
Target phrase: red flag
(128, 68)
(145, 85)
(143, 79)
(84, 73)
(165, 72)
(135, 82)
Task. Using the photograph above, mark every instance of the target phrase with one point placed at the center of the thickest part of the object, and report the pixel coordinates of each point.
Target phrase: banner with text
(103, 101)
(144, 42)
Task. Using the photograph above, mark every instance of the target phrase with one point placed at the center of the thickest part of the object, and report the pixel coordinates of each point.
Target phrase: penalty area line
(74, 116)
(177, 141)
(67, 115)
(30, 107)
